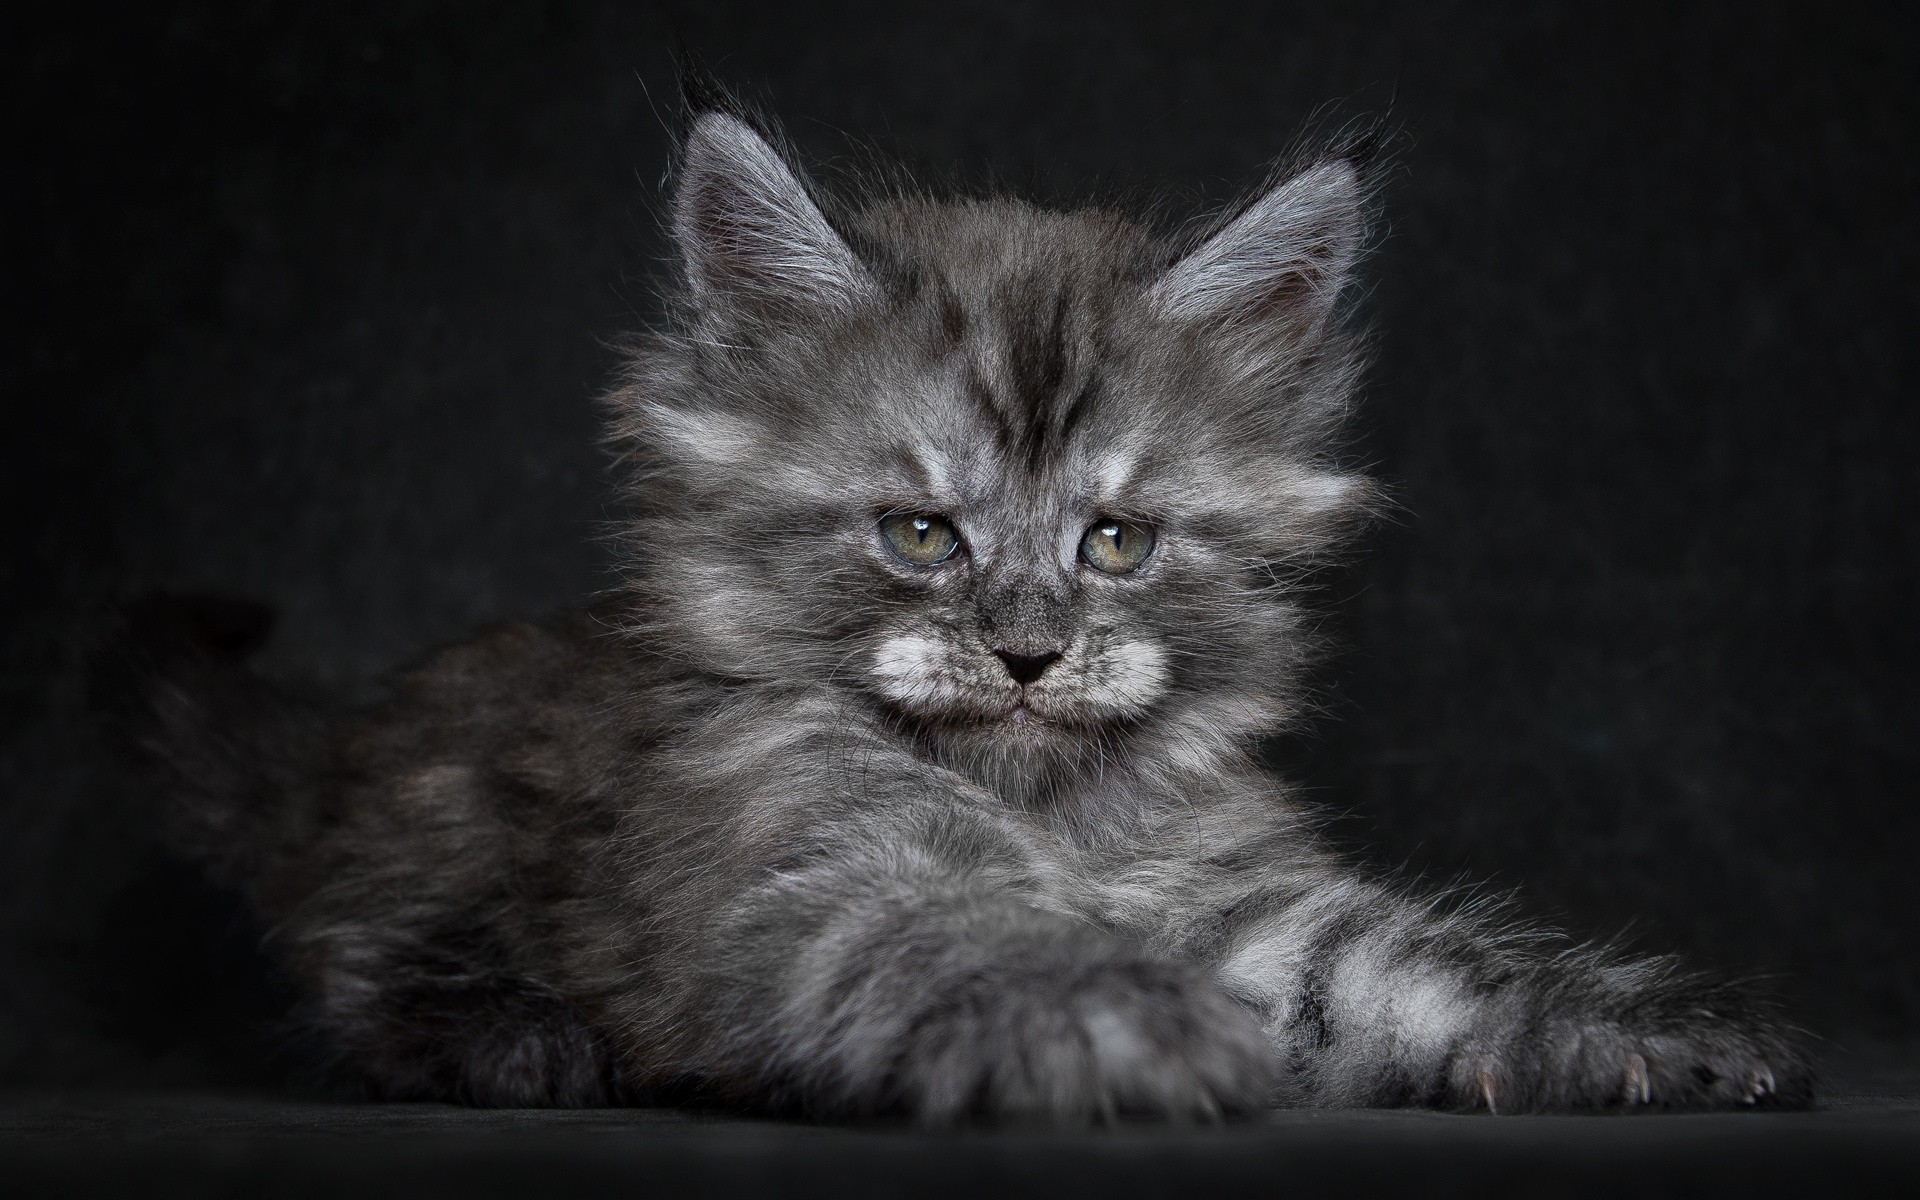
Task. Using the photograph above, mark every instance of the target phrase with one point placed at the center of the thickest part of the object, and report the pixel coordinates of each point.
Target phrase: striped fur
(782, 826)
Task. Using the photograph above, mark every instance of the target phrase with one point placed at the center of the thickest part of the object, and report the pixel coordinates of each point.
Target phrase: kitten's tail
(237, 760)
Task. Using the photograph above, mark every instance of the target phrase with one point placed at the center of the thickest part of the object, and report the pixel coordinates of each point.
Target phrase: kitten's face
(1020, 621)
(1004, 474)
(1019, 591)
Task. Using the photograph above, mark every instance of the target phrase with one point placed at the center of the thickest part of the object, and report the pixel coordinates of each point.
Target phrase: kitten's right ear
(748, 230)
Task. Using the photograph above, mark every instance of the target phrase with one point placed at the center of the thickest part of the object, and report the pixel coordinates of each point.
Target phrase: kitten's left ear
(1280, 264)
(749, 231)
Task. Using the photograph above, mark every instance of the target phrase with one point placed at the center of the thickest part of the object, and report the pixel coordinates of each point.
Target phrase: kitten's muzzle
(1025, 668)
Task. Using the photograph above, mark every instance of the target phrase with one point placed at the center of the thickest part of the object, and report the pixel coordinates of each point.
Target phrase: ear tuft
(748, 230)
(1282, 262)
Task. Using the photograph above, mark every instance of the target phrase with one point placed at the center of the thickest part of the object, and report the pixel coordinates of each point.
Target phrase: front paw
(1061, 1029)
(1088, 1041)
(1667, 1043)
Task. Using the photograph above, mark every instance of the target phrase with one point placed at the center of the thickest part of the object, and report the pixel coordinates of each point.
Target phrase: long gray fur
(779, 826)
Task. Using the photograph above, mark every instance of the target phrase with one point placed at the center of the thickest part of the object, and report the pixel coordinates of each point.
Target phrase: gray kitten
(915, 769)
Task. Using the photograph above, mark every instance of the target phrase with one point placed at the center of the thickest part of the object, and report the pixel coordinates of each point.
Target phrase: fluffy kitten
(915, 770)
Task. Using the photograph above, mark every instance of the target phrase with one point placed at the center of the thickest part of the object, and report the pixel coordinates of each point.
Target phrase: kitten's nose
(1025, 668)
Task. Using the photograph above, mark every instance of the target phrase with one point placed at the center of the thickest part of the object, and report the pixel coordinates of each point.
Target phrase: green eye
(1115, 546)
(922, 539)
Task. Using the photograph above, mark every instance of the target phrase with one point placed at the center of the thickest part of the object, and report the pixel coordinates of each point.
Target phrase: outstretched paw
(1669, 1044)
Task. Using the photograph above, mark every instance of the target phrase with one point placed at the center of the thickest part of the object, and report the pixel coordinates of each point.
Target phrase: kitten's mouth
(1019, 720)
(1025, 716)
(1015, 714)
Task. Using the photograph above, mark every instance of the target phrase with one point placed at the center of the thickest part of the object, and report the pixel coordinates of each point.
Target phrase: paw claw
(1760, 1084)
(1485, 1078)
(1639, 1086)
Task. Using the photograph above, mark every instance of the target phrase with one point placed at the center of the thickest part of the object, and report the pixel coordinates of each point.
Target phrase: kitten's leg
(420, 1019)
(1374, 998)
(922, 962)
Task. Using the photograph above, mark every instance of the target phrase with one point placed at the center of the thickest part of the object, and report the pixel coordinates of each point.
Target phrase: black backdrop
(311, 306)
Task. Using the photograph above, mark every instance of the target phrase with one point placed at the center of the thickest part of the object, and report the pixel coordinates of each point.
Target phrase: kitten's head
(1032, 483)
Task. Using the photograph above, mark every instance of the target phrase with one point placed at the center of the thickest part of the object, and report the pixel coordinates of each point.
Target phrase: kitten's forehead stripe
(1037, 356)
(953, 318)
(1078, 407)
(998, 424)
(1033, 376)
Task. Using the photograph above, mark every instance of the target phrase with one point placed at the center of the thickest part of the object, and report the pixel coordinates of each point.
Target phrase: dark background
(312, 306)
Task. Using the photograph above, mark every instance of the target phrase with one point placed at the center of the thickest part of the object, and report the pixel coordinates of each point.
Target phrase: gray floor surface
(1863, 1139)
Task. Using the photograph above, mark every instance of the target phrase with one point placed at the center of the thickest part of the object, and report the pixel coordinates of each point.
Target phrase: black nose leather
(1025, 668)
